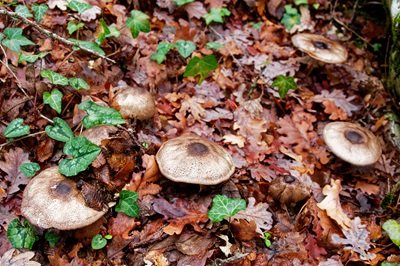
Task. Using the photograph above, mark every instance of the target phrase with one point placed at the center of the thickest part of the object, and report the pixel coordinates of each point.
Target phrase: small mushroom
(352, 143)
(195, 160)
(320, 48)
(134, 102)
(288, 190)
(52, 201)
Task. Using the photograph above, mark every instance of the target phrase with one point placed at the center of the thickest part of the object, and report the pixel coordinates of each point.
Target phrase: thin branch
(51, 34)
(21, 138)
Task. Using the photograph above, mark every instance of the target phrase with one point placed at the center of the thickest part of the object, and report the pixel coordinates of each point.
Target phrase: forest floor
(223, 70)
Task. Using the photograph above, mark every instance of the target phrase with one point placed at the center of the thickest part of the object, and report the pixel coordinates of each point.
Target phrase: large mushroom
(195, 160)
(52, 201)
(320, 48)
(134, 102)
(352, 143)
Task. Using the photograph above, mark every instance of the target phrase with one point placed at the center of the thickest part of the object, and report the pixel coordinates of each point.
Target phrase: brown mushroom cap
(195, 160)
(352, 143)
(320, 48)
(51, 200)
(134, 102)
(288, 190)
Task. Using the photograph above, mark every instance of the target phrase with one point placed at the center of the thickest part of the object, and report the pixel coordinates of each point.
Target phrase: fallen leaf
(226, 249)
(14, 257)
(12, 160)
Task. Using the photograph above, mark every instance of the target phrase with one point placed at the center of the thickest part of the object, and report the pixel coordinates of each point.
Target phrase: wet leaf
(98, 242)
(224, 207)
(54, 77)
(39, 10)
(21, 235)
(60, 130)
(138, 22)
(78, 83)
(99, 115)
(216, 15)
(185, 48)
(54, 99)
(13, 39)
(392, 228)
(16, 128)
(284, 84)
(29, 169)
(201, 67)
(72, 26)
(23, 11)
(161, 53)
(78, 6)
(128, 203)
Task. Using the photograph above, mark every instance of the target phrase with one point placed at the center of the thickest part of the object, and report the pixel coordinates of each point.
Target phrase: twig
(21, 138)
(51, 34)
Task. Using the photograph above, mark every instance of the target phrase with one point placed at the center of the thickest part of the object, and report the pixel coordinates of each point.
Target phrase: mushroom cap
(320, 48)
(352, 143)
(134, 102)
(51, 200)
(195, 160)
(288, 190)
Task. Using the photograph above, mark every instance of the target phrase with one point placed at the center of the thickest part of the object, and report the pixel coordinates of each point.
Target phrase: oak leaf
(12, 160)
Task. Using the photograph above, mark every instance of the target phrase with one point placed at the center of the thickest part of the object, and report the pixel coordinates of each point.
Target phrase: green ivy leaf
(98, 242)
(88, 45)
(106, 32)
(214, 45)
(72, 26)
(138, 22)
(13, 39)
(52, 238)
(39, 11)
(185, 48)
(78, 6)
(99, 115)
(128, 203)
(162, 50)
(291, 17)
(23, 11)
(54, 99)
(16, 128)
(392, 228)
(183, 2)
(78, 83)
(60, 130)
(201, 66)
(216, 15)
(21, 235)
(284, 84)
(54, 77)
(83, 153)
(29, 169)
(224, 207)
(30, 58)
(301, 2)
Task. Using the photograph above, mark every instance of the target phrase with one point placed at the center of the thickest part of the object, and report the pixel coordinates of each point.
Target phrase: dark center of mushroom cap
(320, 45)
(289, 179)
(63, 188)
(197, 149)
(355, 137)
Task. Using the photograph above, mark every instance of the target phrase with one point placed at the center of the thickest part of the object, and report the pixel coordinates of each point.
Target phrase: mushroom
(195, 160)
(320, 48)
(352, 143)
(288, 190)
(51, 200)
(134, 102)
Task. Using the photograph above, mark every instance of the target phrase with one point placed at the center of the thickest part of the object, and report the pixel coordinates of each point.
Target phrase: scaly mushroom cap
(134, 103)
(352, 143)
(288, 190)
(195, 160)
(320, 48)
(51, 200)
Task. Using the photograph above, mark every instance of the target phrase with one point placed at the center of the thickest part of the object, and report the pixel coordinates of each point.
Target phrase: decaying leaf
(13, 257)
(227, 248)
(12, 160)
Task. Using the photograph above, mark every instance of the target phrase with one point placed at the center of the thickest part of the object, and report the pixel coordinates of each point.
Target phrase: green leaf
(54, 99)
(216, 15)
(83, 153)
(185, 48)
(138, 22)
(29, 169)
(60, 130)
(52, 238)
(182, 2)
(201, 66)
(390, 264)
(30, 58)
(16, 128)
(224, 207)
(78, 83)
(106, 32)
(99, 115)
(284, 84)
(392, 228)
(88, 45)
(128, 203)
(72, 26)
(78, 6)
(108, 237)
(54, 77)
(267, 241)
(13, 39)
(21, 235)
(301, 2)
(162, 50)
(98, 242)
(214, 45)
(23, 11)
(257, 25)
(291, 17)
(39, 11)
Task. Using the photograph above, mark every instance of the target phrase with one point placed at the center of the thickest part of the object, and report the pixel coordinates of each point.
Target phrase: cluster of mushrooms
(190, 158)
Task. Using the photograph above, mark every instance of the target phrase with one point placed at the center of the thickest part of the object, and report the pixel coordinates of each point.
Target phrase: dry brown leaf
(13, 257)
(331, 204)
(12, 160)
